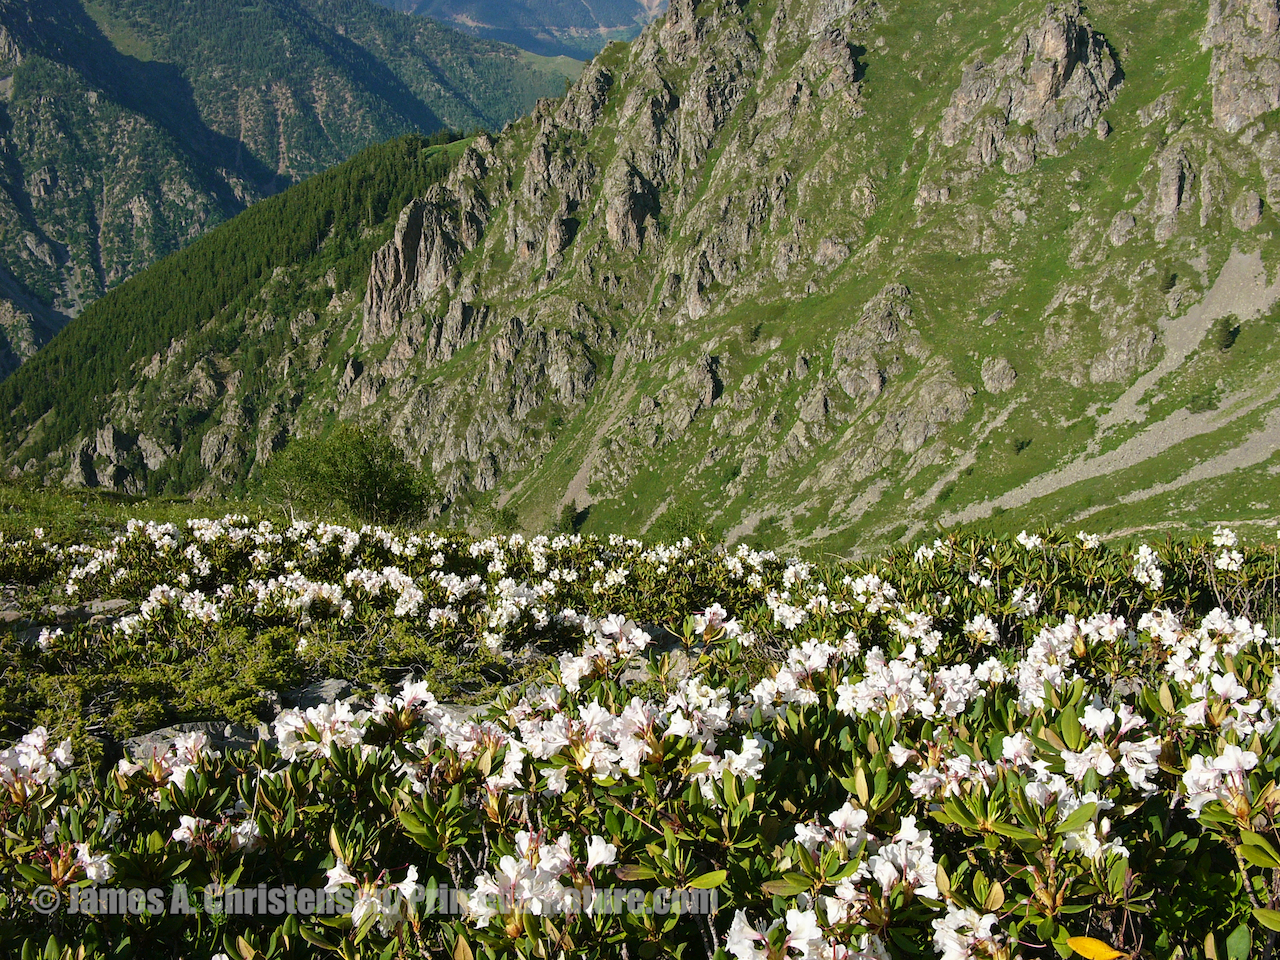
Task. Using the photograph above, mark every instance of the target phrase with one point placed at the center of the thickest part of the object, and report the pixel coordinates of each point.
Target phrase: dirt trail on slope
(1240, 290)
(1257, 448)
(577, 492)
(1151, 442)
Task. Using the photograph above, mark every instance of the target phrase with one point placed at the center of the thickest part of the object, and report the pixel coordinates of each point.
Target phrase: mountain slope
(128, 127)
(824, 272)
(548, 27)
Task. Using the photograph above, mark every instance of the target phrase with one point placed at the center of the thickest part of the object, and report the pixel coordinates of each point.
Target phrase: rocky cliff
(838, 269)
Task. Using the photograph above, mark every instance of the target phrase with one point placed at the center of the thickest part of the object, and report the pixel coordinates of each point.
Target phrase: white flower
(1018, 749)
(1096, 721)
(744, 941)
(1146, 568)
(1031, 541)
(1229, 560)
(339, 876)
(600, 853)
(963, 934)
(187, 830)
(749, 762)
(96, 867)
(1093, 757)
(557, 780)
(982, 629)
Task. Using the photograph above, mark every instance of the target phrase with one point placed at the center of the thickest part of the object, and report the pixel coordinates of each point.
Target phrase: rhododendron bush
(978, 748)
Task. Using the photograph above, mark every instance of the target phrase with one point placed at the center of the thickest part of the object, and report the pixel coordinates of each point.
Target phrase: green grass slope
(780, 269)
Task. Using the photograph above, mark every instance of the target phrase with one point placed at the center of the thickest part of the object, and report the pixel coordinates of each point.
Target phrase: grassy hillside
(800, 275)
(132, 126)
(318, 235)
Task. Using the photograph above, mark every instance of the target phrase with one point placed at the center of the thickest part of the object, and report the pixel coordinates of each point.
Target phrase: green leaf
(1258, 840)
(1011, 831)
(1268, 918)
(708, 880)
(1072, 732)
(412, 824)
(784, 887)
(1239, 943)
(1258, 857)
(635, 871)
(34, 874)
(1078, 818)
(316, 940)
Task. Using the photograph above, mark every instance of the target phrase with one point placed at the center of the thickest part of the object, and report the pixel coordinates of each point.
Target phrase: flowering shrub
(973, 749)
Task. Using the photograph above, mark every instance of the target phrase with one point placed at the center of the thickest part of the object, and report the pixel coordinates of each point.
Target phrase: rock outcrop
(1052, 86)
(998, 375)
(1245, 70)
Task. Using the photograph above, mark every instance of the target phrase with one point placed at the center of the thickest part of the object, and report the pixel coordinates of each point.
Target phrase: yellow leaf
(1093, 949)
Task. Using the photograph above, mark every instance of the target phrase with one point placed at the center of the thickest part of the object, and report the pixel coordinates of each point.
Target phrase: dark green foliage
(571, 518)
(1225, 331)
(683, 519)
(355, 467)
(1202, 402)
(199, 296)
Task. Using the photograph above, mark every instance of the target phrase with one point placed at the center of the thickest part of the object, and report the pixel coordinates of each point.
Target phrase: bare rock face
(109, 459)
(938, 402)
(10, 52)
(631, 205)
(1055, 82)
(416, 263)
(1245, 71)
(1122, 227)
(584, 103)
(998, 375)
(1173, 190)
(1175, 174)
(1122, 358)
(1246, 212)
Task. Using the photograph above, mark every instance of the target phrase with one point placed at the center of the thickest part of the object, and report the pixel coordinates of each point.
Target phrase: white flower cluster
(1146, 569)
(964, 933)
(242, 835)
(612, 640)
(906, 685)
(172, 762)
(375, 899)
(904, 862)
(532, 880)
(1222, 778)
(317, 730)
(33, 761)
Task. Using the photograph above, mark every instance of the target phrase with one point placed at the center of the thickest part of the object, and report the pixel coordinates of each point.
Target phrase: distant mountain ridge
(548, 27)
(827, 273)
(128, 127)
